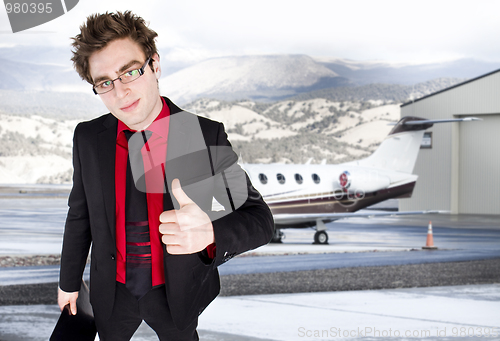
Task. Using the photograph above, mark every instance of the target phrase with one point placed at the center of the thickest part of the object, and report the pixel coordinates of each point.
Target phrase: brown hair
(101, 29)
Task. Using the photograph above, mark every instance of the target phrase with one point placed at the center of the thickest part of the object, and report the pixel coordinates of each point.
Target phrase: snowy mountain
(384, 92)
(279, 108)
(52, 104)
(273, 78)
(366, 72)
(256, 77)
(18, 75)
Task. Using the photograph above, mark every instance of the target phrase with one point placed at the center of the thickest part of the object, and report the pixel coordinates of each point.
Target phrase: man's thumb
(72, 306)
(179, 194)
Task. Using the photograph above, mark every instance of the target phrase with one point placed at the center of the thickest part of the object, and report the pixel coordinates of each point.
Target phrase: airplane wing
(294, 219)
(420, 122)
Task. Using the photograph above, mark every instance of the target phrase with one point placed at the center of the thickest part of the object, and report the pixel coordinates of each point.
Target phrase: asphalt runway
(353, 243)
(37, 225)
(363, 256)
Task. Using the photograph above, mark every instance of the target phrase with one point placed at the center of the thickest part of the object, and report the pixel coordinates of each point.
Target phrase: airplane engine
(362, 181)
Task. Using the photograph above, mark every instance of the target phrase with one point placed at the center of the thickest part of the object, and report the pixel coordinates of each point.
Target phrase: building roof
(449, 88)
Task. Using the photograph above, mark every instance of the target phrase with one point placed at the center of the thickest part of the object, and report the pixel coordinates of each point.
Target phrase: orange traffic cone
(429, 245)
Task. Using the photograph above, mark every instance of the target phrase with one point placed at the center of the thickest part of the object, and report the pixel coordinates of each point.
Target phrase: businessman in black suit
(156, 243)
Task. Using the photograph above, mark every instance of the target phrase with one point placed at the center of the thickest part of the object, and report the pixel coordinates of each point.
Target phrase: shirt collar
(158, 126)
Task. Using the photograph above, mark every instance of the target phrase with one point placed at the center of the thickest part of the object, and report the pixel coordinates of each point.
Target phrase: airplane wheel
(321, 237)
(278, 236)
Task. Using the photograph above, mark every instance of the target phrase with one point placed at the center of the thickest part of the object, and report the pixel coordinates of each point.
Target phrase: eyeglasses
(125, 78)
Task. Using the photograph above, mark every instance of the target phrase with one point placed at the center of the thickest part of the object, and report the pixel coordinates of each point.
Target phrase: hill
(35, 149)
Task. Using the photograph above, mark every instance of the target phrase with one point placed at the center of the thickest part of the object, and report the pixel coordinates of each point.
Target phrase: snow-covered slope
(247, 76)
(345, 130)
(35, 149)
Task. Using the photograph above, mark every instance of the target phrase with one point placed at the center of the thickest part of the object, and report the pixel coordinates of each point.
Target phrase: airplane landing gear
(278, 236)
(321, 237)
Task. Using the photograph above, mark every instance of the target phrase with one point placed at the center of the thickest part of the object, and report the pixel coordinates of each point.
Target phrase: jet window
(316, 178)
(281, 178)
(299, 178)
(263, 178)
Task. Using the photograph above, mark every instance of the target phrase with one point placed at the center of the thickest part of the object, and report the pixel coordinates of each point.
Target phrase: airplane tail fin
(400, 149)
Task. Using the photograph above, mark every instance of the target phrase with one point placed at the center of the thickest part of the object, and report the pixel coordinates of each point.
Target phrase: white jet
(310, 195)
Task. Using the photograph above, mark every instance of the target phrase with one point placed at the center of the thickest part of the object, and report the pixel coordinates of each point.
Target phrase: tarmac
(442, 310)
(435, 313)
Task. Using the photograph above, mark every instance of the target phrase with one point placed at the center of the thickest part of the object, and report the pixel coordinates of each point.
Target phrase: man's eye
(131, 73)
(106, 84)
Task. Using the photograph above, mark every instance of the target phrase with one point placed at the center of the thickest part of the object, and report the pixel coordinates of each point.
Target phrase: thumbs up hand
(188, 229)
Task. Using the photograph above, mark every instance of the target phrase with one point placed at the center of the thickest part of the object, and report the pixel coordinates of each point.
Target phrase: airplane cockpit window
(263, 178)
(316, 178)
(281, 178)
(298, 178)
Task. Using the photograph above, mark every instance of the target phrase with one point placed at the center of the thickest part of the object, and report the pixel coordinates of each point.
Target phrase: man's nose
(121, 89)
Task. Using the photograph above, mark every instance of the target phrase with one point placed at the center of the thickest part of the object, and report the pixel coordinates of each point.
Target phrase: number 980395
(25, 7)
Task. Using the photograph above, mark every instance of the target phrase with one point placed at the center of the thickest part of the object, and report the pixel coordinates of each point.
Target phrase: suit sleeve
(250, 223)
(77, 237)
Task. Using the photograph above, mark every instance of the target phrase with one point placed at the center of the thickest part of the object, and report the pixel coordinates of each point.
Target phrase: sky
(383, 30)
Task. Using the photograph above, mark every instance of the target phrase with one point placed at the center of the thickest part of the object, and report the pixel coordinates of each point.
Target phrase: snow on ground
(367, 134)
(318, 105)
(254, 127)
(200, 105)
(390, 112)
(53, 131)
(284, 106)
(376, 102)
(238, 137)
(302, 124)
(274, 133)
(28, 169)
(344, 122)
(236, 115)
(414, 313)
(356, 152)
(339, 156)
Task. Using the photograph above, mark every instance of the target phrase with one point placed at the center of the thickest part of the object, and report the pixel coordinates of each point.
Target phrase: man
(144, 180)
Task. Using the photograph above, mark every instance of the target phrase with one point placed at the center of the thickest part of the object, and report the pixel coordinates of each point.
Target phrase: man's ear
(156, 65)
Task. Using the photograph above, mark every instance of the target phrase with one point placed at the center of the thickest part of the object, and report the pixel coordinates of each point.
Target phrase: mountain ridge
(276, 108)
(253, 77)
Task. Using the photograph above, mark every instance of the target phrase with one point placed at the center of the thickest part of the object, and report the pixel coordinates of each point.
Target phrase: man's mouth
(130, 107)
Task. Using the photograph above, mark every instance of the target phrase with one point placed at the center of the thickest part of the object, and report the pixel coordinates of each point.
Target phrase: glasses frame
(112, 86)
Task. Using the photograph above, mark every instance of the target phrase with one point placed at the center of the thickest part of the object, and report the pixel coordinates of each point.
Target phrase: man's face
(138, 103)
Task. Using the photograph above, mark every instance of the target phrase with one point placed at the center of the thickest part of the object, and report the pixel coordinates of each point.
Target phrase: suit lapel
(178, 137)
(107, 149)
(178, 140)
(184, 133)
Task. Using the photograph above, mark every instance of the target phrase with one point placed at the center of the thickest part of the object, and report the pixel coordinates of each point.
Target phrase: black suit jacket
(199, 154)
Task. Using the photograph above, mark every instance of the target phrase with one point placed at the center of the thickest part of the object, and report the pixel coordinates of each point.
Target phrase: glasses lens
(104, 87)
(130, 76)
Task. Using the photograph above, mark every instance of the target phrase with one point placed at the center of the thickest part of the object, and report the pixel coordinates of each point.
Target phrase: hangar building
(458, 166)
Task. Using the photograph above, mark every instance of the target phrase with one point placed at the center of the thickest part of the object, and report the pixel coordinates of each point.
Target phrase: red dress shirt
(154, 155)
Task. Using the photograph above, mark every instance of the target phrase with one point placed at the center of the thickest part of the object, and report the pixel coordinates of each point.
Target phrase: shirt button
(112, 257)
